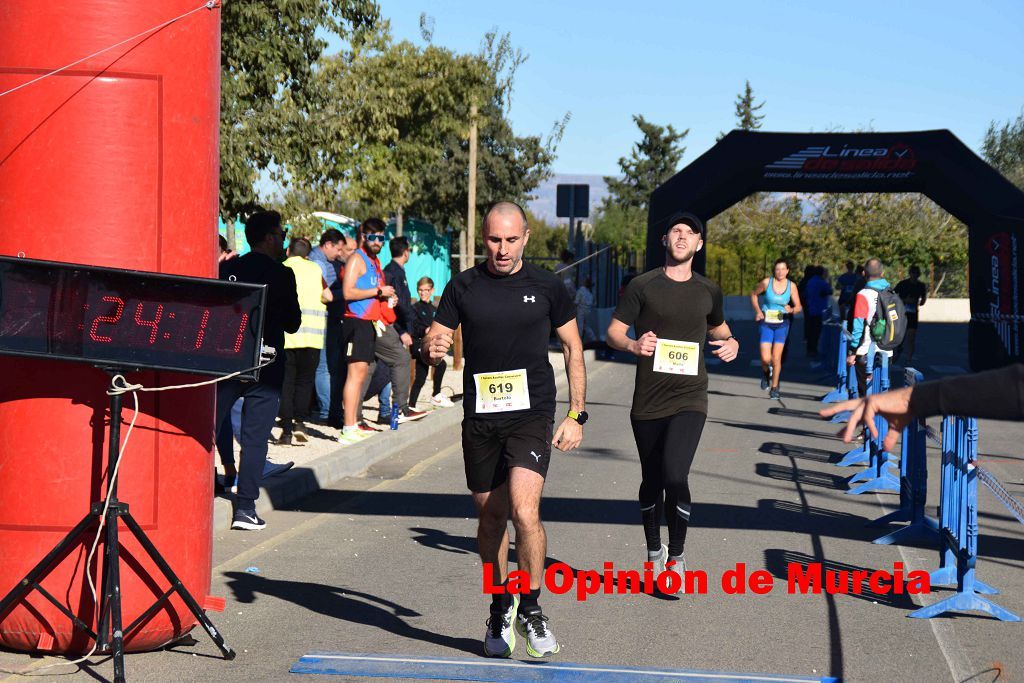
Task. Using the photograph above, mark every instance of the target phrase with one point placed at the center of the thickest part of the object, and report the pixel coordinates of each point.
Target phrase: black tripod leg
(178, 586)
(112, 596)
(23, 587)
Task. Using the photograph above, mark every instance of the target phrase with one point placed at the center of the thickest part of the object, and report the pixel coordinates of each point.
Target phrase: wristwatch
(580, 417)
(380, 292)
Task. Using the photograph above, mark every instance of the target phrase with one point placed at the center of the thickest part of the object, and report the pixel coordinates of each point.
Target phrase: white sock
(348, 429)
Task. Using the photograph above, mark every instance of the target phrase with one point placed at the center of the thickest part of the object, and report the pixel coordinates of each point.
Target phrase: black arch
(934, 163)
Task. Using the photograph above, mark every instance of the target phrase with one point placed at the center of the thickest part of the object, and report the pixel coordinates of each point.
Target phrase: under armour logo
(529, 299)
(537, 457)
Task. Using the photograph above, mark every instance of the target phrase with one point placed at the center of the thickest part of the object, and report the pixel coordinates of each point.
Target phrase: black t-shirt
(911, 292)
(506, 324)
(680, 311)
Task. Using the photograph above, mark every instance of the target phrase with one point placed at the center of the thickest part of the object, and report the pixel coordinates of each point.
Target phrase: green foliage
(652, 161)
(901, 229)
(546, 242)
(1003, 147)
(388, 132)
(622, 218)
(747, 117)
(268, 52)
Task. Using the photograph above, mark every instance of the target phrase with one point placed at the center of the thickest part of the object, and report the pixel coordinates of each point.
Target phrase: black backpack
(888, 325)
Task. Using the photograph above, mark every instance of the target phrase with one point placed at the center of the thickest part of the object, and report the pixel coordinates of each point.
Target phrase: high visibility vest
(309, 285)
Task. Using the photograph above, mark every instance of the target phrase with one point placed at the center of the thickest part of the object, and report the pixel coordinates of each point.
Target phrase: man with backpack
(879, 322)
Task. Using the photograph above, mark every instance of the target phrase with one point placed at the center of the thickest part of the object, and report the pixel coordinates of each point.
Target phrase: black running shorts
(491, 446)
(359, 340)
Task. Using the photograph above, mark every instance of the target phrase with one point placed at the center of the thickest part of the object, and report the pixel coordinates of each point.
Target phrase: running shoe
(500, 639)
(659, 560)
(247, 520)
(352, 437)
(408, 415)
(774, 394)
(540, 641)
(442, 401)
(286, 439)
(764, 381)
(678, 565)
(366, 428)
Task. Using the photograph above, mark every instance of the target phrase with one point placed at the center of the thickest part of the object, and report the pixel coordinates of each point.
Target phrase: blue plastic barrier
(836, 341)
(880, 475)
(958, 511)
(913, 485)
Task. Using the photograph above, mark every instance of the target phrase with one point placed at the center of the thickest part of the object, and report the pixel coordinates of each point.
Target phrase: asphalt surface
(385, 563)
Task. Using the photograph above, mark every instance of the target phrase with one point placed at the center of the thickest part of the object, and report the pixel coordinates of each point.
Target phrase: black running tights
(667, 446)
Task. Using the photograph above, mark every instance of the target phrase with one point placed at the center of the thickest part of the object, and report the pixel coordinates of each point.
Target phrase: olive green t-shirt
(680, 311)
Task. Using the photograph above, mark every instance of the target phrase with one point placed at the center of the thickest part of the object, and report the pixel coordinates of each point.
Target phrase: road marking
(959, 663)
(242, 559)
(486, 670)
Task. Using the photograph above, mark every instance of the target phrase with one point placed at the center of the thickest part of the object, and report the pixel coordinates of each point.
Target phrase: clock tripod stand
(109, 635)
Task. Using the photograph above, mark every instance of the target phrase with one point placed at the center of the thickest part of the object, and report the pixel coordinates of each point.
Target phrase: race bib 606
(677, 357)
(497, 392)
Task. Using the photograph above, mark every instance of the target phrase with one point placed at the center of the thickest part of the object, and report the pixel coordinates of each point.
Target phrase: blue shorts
(773, 333)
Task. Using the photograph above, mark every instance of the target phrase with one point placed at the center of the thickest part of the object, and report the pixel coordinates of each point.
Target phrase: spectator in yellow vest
(302, 348)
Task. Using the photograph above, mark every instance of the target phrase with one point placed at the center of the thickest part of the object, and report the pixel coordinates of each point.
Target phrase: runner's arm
(569, 434)
(436, 343)
(618, 339)
(758, 291)
(575, 368)
(728, 347)
(794, 295)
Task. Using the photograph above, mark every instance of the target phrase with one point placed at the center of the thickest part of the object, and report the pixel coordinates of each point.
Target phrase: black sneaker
(286, 439)
(300, 432)
(247, 520)
(774, 393)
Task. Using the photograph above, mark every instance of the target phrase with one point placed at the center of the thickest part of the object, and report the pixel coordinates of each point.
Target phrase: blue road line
(545, 671)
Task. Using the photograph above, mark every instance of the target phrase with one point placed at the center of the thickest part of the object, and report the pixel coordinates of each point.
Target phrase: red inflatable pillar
(110, 162)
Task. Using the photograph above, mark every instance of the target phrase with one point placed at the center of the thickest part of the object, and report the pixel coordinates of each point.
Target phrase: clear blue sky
(820, 65)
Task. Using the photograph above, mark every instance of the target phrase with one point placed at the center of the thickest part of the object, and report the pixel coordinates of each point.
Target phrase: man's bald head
(873, 269)
(505, 211)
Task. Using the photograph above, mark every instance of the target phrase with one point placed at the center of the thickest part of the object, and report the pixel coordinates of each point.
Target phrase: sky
(819, 65)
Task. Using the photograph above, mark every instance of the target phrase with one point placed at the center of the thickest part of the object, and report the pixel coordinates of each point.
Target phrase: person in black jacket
(993, 394)
(424, 311)
(262, 265)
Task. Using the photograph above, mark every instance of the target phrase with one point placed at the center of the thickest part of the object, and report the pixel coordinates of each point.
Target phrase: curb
(350, 461)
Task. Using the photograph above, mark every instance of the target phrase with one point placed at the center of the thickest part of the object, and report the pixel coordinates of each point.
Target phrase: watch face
(583, 417)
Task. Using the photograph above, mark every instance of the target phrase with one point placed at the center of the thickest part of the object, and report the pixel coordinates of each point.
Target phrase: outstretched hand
(894, 406)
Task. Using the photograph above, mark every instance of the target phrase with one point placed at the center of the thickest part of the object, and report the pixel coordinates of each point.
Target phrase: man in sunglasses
(364, 290)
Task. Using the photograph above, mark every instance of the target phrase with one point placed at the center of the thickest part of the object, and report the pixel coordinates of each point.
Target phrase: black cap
(687, 218)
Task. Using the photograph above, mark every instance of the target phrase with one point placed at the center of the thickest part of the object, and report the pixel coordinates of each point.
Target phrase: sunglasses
(373, 238)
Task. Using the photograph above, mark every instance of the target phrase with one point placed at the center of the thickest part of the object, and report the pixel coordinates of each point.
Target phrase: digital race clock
(129, 319)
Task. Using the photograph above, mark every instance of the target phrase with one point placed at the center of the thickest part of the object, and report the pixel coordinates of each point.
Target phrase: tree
(653, 160)
(389, 132)
(747, 117)
(1003, 147)
(268, 50)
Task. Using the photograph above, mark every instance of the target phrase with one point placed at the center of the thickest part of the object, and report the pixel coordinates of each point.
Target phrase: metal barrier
(958, 512)
(913, 484)
(879, 476)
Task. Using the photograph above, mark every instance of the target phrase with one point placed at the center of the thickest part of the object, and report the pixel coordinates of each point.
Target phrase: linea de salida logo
(846, 159)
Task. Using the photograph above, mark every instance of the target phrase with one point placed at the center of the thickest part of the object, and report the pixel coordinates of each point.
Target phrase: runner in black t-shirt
(914, 293)
(507, 309)
(672, 310)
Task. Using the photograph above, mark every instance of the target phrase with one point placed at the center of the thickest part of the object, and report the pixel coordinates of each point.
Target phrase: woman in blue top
(781, 301)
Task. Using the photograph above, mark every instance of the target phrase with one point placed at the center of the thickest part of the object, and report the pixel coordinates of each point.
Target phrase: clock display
(129, 319)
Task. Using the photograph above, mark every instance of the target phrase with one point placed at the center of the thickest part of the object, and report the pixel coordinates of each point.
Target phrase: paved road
(386, 563)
